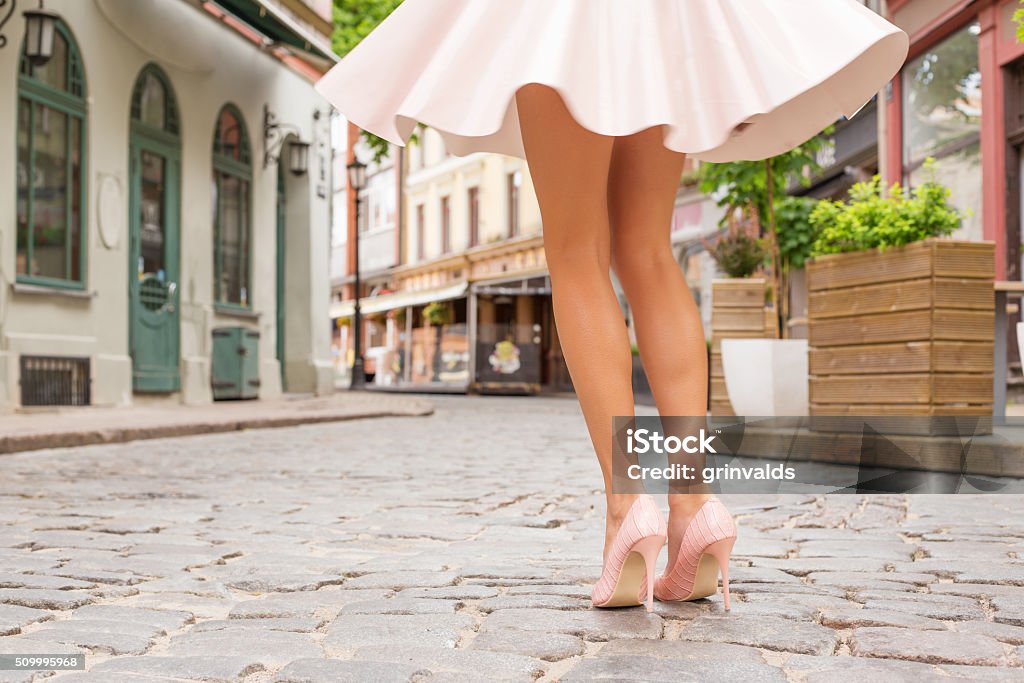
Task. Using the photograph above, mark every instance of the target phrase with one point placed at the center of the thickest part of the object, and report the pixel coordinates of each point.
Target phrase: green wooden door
(280, 270)
(153, 267)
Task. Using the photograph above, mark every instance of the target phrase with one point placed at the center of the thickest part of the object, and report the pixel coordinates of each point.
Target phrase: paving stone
(673, 662)
(293, 624)
(402, 579)
(876, 549)
(400, 605)
(283, 583)
(802, 566)
(933, 610)
(166, 620)
(96, 575)
(852, 617)
(499, 666)
(760, 575)
(44, 599)
(305, 604)
(532, 601)
(192, 668)
(770, 633)
(349, 632)
(268, 647)
(1006, 633)
(813, 669)
(808, 600)
(596, 625)
(568, 590)
(975, 590)
(550, 647)
(115, 643)
(982, 673)
(1008, 609)
(788, 589)
(337, 671)
(870, 580)
(932, 647)
(15, 617)
(460, 592)
(42, 581)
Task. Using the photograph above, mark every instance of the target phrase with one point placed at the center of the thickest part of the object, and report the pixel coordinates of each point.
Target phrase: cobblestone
(399, 548)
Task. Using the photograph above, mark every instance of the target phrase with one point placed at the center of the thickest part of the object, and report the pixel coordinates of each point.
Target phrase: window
(421, 232)
(473, 199)
(232, 179)
(514, 181)
(942, 119)
(446, 225)
(51, 192)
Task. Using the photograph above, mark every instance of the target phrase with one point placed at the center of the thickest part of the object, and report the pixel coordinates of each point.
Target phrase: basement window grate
(55, 381)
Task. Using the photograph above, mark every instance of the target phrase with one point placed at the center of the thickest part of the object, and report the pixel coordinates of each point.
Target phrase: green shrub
(870, 220)
(796, 234)
(736, 250)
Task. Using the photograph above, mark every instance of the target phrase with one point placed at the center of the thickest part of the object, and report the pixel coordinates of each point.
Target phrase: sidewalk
(64, 427)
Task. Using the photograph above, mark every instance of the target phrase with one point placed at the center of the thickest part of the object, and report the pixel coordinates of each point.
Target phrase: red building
(960, 99)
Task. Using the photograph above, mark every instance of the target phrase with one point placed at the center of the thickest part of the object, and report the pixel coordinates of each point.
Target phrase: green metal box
(236, 363)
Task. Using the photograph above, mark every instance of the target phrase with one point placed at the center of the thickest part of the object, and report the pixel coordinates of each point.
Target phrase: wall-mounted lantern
(274, 137)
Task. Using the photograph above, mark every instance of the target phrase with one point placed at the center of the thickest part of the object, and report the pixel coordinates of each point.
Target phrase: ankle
(686, 505)
(618, 506)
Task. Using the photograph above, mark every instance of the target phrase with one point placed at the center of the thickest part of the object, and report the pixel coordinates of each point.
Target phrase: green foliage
(745, 183)
(737, 250)
(437, 313)
(1018, 16)
(353, 21)
(796, 234)
(871, 220)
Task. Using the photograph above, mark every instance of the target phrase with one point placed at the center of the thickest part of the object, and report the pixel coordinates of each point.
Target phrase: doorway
(154, 205)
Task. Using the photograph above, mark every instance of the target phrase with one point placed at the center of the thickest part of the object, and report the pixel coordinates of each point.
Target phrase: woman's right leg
(569, 166)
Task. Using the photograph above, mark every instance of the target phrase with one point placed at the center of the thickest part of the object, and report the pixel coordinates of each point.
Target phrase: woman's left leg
(642, 185)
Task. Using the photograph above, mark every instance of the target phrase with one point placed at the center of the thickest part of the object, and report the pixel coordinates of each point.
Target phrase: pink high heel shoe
(704, 552)
(632, 558)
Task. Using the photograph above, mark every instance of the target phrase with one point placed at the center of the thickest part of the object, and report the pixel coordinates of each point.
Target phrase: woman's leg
(642, 184)
(569, 166)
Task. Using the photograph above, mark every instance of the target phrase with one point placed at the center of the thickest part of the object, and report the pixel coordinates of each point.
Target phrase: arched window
(153, 105)
(51, 193)
(232, 181)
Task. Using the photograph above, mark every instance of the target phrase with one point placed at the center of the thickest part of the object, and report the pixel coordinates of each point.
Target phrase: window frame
(36, 92)
(242, 170)
(473, 214)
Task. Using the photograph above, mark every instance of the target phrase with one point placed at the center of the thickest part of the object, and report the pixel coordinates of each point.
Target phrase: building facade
(152, 208)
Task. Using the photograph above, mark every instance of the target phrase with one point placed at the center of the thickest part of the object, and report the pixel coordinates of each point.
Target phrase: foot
(682, 508)
(617, 509)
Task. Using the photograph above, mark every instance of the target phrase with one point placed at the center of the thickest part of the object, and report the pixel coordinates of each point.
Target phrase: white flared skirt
(700, 68)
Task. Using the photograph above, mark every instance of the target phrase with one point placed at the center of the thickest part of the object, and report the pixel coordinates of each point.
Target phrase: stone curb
(20, 443)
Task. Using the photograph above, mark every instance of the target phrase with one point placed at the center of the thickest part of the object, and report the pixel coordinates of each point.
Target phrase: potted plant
(438, 314)
(738, 301)
(900, 318)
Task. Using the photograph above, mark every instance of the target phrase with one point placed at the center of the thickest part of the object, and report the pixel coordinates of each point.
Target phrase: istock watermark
(834, 455)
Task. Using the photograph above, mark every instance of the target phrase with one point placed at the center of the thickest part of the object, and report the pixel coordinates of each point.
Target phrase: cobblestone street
(461, 547)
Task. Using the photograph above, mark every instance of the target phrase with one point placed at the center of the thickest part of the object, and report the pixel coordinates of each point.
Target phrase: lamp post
(357, 181)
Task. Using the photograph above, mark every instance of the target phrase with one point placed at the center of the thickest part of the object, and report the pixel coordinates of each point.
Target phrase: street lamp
(357, 181)
(40, 25)
(274, 138)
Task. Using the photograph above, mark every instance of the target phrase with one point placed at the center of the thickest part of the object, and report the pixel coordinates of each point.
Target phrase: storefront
(515, 343)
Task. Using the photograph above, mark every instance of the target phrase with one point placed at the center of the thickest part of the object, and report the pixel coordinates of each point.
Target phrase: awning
(387, 302)
(278, 26)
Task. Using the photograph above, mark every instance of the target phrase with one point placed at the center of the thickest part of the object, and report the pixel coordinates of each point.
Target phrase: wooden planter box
(904, 331)
(737, 312)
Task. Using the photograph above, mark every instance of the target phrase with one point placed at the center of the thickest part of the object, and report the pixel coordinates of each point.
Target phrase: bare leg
(642, 187)
(569, 166)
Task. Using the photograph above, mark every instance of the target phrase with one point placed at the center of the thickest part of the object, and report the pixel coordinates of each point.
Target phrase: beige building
(160, 241)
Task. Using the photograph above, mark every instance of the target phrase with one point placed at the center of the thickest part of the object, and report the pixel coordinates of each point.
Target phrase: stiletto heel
(721, 550)
(632, 558)
(703, 554)
(649, 549)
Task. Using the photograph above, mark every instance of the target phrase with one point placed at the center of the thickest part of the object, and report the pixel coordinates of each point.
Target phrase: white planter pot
(766, 377)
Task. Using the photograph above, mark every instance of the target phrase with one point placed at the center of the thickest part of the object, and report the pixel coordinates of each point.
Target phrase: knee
(637, 266)
(576, 258)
